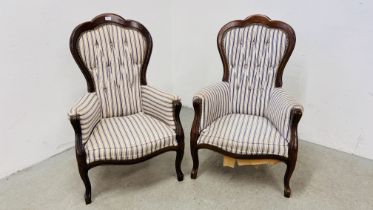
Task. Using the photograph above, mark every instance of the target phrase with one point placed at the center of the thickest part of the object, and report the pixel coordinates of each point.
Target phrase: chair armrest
(85, 114)
(160, 105)
(284, 112)
(212, 102)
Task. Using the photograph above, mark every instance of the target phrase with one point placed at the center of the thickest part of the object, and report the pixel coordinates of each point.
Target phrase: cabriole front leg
(295, 117)
(194, 135)
(179, 158)
(194, 153)
(83, 171)
(84, 175)
(81, 157)
(180, 140)
(290, 166)
(289, 171)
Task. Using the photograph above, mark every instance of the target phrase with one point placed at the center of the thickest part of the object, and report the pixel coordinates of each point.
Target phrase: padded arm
(212, 102)
(280, 111)
(85, 114)
(159, 104)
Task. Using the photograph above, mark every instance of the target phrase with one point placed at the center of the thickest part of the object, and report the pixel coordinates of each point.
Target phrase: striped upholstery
(127, 138)
(121, 120)
(246, 135)
(215, 103)
(158, 104)
(253, 53)
(88, 110)
(278, 110)
(247, 115)
(114, 55)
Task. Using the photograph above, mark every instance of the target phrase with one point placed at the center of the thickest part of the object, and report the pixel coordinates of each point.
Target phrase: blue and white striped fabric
(248, 115)
(114, 55)
(122, 120)
(127, 138)
(279, 109)
(88, 110)
(253, 53)
(215, 103)
(246, 135)
(158, 104)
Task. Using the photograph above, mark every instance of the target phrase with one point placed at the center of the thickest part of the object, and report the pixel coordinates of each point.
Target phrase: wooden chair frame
(75, 121)
(296, 114)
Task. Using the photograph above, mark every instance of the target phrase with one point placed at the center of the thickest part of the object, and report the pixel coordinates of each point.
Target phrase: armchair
(248, 115)
(121, 120)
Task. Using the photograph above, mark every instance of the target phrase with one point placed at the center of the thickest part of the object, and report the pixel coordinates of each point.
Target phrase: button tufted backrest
(112, 57)
(253, 54)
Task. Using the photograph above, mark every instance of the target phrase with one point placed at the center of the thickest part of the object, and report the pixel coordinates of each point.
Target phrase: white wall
(39, 79)
(330, 70)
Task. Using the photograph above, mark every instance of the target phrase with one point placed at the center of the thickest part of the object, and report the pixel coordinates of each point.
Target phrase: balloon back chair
(248, 115)
(121, 119)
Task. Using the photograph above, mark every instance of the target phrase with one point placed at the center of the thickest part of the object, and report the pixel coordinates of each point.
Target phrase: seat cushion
(129, 137)
(246, 135)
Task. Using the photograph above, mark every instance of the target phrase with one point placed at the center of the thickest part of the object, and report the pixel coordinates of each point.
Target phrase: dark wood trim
(241, 156)
(75, 121)
(102, 20)
(81, 158)
(176, 115)
(132, 161)
(296, 114)
(79, 147)
(179, 138)
(262, 20)
(194, 135)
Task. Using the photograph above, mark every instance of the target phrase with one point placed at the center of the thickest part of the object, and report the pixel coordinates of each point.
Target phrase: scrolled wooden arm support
(179, 129)
(195, 131)
(295, 116)
(79, 147)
